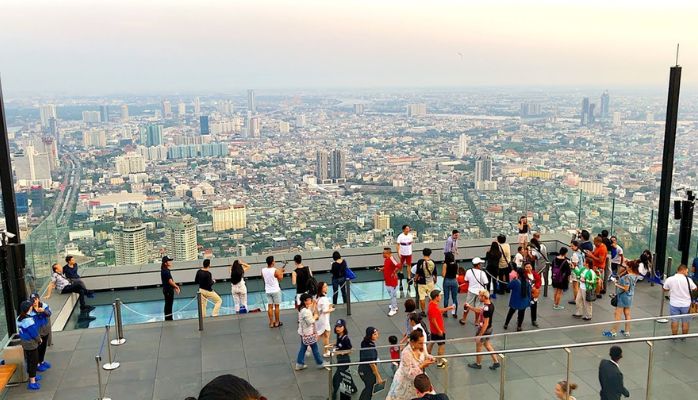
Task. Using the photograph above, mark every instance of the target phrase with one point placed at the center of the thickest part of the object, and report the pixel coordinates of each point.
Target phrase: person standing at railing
(485, 321)
(680, 298)
(272, 276)
(449, 271)
(339, 277)
(561, 271)
(524, 230)
(369, 373)
(237, 285)
(520, 298)
(413, 361)
(625, 290)
(30, 338)
(390, 269)
(404, 250)
(169, 287)
(451, 245)
(205, 281)
(598, 258)
(587, 290)
(300, 277)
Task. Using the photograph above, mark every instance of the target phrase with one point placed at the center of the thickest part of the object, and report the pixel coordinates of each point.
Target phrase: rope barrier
(104, 337)
(157, 315)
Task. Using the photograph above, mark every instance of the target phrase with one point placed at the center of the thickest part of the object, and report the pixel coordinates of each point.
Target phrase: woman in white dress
(322, 325)
(413, 361)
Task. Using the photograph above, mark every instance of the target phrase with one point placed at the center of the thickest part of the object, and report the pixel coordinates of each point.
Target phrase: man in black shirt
(169, 286)
(205, 281)
(485, 314)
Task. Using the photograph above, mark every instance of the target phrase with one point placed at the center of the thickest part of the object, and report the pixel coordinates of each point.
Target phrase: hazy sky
(140, 46)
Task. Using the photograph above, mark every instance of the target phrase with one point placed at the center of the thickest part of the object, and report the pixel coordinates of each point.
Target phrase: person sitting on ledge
(63, 285)
(70, 271)
(226, 387)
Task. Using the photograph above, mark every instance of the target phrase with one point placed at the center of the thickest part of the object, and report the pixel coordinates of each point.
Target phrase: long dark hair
(524, 282)
(535, 243)
(320, 286)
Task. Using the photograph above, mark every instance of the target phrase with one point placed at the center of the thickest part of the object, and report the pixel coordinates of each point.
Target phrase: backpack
(425, 326)
(422, 272)
(558, 276)
(311, 286)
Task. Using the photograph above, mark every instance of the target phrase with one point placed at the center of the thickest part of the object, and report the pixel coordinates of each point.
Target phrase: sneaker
(321, 366)
(506, 327)
(300, 367)
(610, 334)
(327, 354)
(461, 321)
(46, 364)
(571, 302)
(494, 366)
(493, 295)
(558, 307)
(624, 333)
(534, 323)
(454, 315)
(41, 367)
(576, 315)
(475, 366)
(441, 365)
(33, 386)
(392, 312)
(586, 319)
(37, 377)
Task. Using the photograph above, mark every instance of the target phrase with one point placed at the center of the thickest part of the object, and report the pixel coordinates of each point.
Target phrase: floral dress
(402, 387)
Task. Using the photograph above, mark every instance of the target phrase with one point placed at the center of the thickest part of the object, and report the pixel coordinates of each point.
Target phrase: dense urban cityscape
(119, 181)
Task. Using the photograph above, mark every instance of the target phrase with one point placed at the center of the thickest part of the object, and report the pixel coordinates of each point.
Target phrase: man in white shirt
(617, 260)
(477, 281)
(404, 249)
(679, 288)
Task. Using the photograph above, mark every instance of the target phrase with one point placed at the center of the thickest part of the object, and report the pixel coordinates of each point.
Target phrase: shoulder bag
(693, 308)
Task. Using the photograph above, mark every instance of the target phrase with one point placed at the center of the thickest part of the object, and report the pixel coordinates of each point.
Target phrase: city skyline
(318, 45)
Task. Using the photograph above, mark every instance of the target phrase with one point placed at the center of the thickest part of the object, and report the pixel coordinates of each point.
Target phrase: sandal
(279, 324)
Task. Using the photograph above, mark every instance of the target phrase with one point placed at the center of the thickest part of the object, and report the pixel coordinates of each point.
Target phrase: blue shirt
(165, 276)
(515, 300)
(71, 273)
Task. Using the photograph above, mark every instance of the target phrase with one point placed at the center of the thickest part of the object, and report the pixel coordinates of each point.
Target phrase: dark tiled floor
(173, 360)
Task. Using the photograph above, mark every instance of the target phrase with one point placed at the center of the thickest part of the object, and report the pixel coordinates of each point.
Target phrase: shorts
(439, 339)
(624, 300)
(472, 299)
(485, 337)
(405, 260)
(678, 311)
(425, 289)
(523, 237)
(274, 298)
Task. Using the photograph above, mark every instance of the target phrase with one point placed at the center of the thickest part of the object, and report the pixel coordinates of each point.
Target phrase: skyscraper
(338, 165)
(605, 100)
(462, 149)
(166, 109)
(197, 106)
(359, 109)
(253, 127)
(91, 117)
(584, 120)
(204, 126)
(130, 242)
(321, 166)
(124, 112)
(300, 121)
(229, 217)
(416, 110)
(32, 167)
(46, 112)
(617, 119)
(483, 168)
(180, 237)
(251, 103)
(591, 117)
(104, 113)
(181, 109)
(154, 135)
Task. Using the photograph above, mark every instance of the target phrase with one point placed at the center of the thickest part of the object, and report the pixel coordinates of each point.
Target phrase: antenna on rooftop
(677, 53)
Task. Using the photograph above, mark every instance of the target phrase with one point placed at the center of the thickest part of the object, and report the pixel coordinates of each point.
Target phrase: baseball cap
(166, 259)
(341, 322)
(477, 261)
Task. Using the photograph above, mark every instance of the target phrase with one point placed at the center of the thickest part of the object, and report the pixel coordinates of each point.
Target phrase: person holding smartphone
(369, 372)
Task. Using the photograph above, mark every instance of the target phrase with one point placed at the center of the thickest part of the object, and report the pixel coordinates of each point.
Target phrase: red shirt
(395, 352)
(601, 252)
(435, 315)
(389, 274)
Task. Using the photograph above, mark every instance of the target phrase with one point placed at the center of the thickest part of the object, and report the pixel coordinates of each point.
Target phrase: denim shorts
(274, 298)
(678, 311)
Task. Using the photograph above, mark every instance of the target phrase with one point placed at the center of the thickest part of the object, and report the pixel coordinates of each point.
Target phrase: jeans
(392, 291)
(451, 290)
(76, 288)
(239, 292)
(300, 360)
(169, 301)
(336, 283)
(366, 374)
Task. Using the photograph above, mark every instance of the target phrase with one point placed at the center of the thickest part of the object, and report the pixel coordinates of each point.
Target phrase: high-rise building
(32, 167)
(37, 196)
(229, 217)
(321, 166)
(592, 114)
(204, 127)
(130, 244)
(251, 102)
(46, 112)
(53, 129)
(617, 119)
(338, 165)
(181, 109)
(94, 138)
(300, 121)
(381, 222)
(91, 117)
(154, 135)
(483, 168)
(584, 120)
(197, 106)
(253, 127)
(129, 163)
(166, 109)
(180, 237)
(417, 110)
(359, 108)
(104, 113)
(124, 112)
(462, 148)
(284, 127)
(605, 100)
(530, 110)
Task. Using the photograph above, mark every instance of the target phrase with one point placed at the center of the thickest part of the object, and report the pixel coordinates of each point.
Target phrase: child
(394, 352)
(41, 313)
(462, 283)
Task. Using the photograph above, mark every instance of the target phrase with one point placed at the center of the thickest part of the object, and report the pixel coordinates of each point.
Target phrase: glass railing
(656, 366)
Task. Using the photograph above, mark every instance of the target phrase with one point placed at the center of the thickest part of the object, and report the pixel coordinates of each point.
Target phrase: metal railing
(503, 355)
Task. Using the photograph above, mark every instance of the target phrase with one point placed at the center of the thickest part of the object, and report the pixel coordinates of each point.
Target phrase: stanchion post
(567, 379)
(502, 376)
(200, 307)
(118, 322)
(650, 360)
(661, 302)
(348, 286)
(111, 364)
(98, 359)
(330, 387)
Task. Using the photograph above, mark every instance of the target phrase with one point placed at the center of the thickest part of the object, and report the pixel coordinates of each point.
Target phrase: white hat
(477, 261)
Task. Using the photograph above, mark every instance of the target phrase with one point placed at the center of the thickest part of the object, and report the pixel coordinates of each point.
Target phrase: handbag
(590, 295)
(693, 308)
(349, 274)
(311, 339)
(614, 301)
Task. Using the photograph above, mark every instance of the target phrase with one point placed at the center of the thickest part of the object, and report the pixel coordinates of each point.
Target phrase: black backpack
(311, 286)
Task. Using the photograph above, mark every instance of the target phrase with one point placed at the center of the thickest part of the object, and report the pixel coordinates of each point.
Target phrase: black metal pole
(6, 182)
(672, 110)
